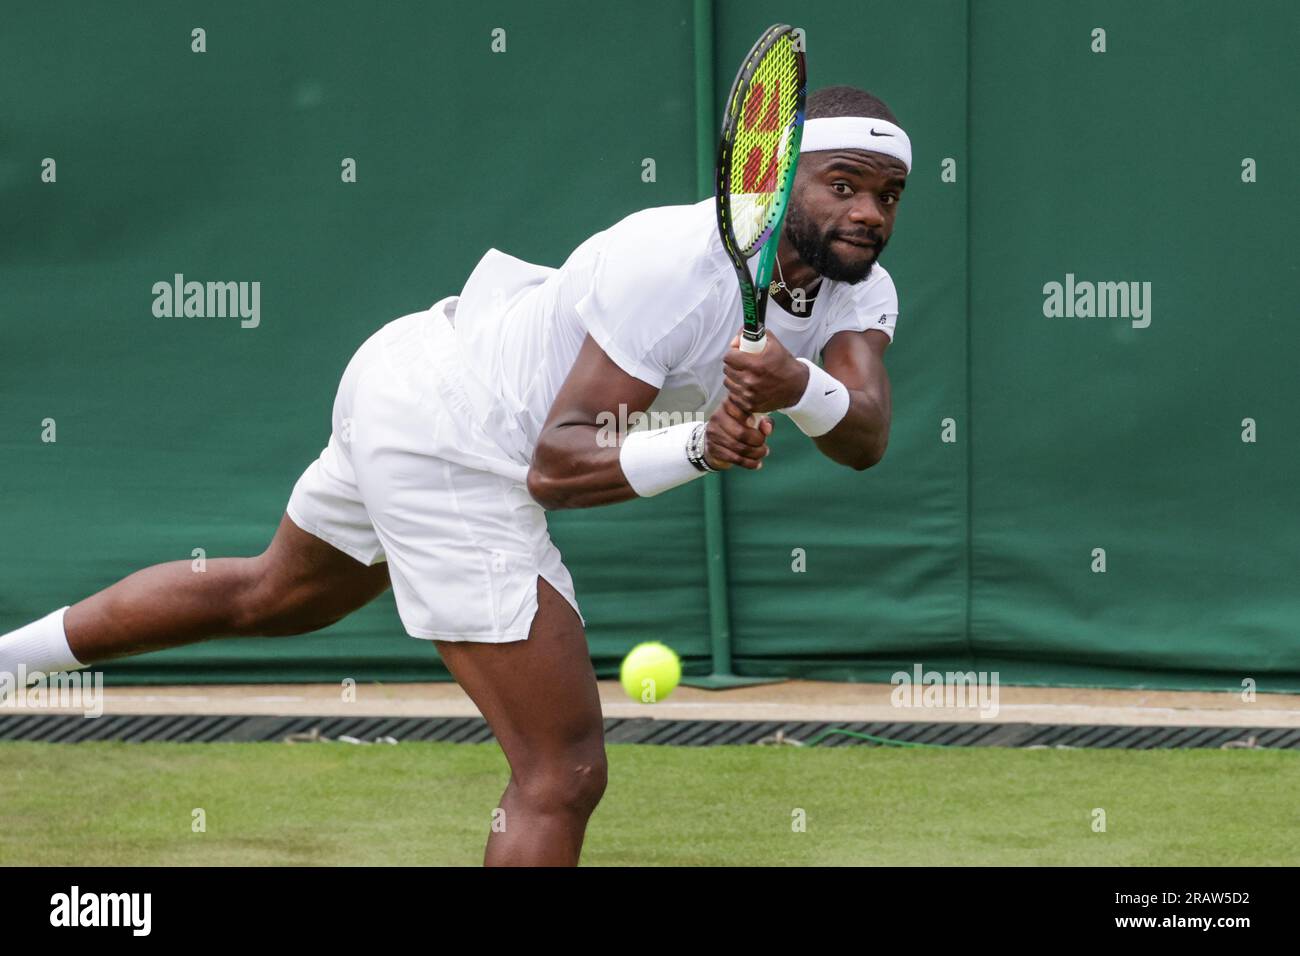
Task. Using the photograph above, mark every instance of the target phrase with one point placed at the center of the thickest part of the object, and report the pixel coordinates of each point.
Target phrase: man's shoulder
(676, 216)
(674, 232)
(869, 304)
(663, 248)
(876, 290)
(879, 278)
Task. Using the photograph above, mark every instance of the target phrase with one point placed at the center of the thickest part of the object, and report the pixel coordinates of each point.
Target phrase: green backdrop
(1020, 445)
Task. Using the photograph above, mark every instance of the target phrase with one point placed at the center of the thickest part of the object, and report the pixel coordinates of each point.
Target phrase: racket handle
(753, 345)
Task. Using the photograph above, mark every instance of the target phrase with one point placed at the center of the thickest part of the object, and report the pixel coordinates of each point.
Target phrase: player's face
(842, 210)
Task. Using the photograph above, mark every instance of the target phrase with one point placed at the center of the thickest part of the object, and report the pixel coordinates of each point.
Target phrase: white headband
(857, 132)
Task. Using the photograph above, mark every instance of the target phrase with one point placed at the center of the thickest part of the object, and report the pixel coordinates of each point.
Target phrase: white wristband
(654, 461)
(824, 404)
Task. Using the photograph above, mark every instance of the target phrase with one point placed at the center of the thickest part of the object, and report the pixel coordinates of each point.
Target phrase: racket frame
(754, 291)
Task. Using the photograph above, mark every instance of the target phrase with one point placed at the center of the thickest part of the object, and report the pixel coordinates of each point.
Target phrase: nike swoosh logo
(831, 390)
(874, 133)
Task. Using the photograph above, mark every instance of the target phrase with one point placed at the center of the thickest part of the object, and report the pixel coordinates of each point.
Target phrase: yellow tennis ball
(650, 672)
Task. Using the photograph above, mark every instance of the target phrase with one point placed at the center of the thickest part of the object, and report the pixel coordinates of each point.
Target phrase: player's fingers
(734, 434)
(743, 447)
(741, 432)
(719, 446)
(729, 458)
(740, 378)
(735, 358)
(734, 409)
(750, 420)
(732, 457)
(743, 396)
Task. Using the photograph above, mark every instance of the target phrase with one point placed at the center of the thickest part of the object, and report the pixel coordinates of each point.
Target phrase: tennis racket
(756, 164)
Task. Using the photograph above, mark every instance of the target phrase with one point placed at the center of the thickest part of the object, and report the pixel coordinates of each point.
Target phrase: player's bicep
(597, 384)
(577, 462)
(858, 360)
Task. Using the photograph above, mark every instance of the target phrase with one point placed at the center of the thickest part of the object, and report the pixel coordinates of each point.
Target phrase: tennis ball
(650, 672)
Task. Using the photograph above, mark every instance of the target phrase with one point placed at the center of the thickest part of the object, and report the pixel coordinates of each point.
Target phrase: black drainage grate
(182, 728)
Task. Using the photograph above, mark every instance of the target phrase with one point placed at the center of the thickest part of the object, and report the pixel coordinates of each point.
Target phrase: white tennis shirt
(657, 293)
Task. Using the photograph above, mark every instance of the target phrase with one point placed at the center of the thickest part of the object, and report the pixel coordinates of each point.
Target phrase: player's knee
(267, 605)
(573, 784)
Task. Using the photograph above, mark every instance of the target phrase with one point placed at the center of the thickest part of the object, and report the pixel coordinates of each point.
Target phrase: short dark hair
(847, 101)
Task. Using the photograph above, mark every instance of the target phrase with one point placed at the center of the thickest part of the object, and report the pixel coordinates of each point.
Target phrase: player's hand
(763, 381)
(733, 437)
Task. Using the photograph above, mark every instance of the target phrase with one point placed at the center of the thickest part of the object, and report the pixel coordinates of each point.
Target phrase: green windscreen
(1067, 497)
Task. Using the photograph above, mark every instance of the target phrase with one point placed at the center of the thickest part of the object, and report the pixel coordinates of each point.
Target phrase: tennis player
(456, 428)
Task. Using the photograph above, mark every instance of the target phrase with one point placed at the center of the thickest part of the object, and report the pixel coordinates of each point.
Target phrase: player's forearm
(859, 440)
(572, 469)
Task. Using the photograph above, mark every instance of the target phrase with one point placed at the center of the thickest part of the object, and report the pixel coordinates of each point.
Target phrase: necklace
(774, 287)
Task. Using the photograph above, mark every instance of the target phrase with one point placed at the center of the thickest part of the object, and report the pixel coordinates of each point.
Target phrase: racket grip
(750, 345)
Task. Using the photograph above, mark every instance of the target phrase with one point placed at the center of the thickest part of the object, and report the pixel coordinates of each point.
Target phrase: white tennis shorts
(410, 478)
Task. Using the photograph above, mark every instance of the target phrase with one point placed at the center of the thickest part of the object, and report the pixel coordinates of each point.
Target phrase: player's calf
(299, 584)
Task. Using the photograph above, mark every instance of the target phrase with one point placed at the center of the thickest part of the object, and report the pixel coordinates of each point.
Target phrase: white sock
(39, 646)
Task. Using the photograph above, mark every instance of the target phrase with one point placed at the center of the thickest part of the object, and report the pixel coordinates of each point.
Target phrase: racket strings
(764, 152)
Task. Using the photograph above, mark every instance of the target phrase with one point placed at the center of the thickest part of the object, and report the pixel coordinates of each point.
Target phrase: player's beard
(815, 249)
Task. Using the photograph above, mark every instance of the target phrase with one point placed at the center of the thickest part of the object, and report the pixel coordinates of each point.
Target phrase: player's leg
(539, 697)
(302, 582)
(471, 561)
(298, 584)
